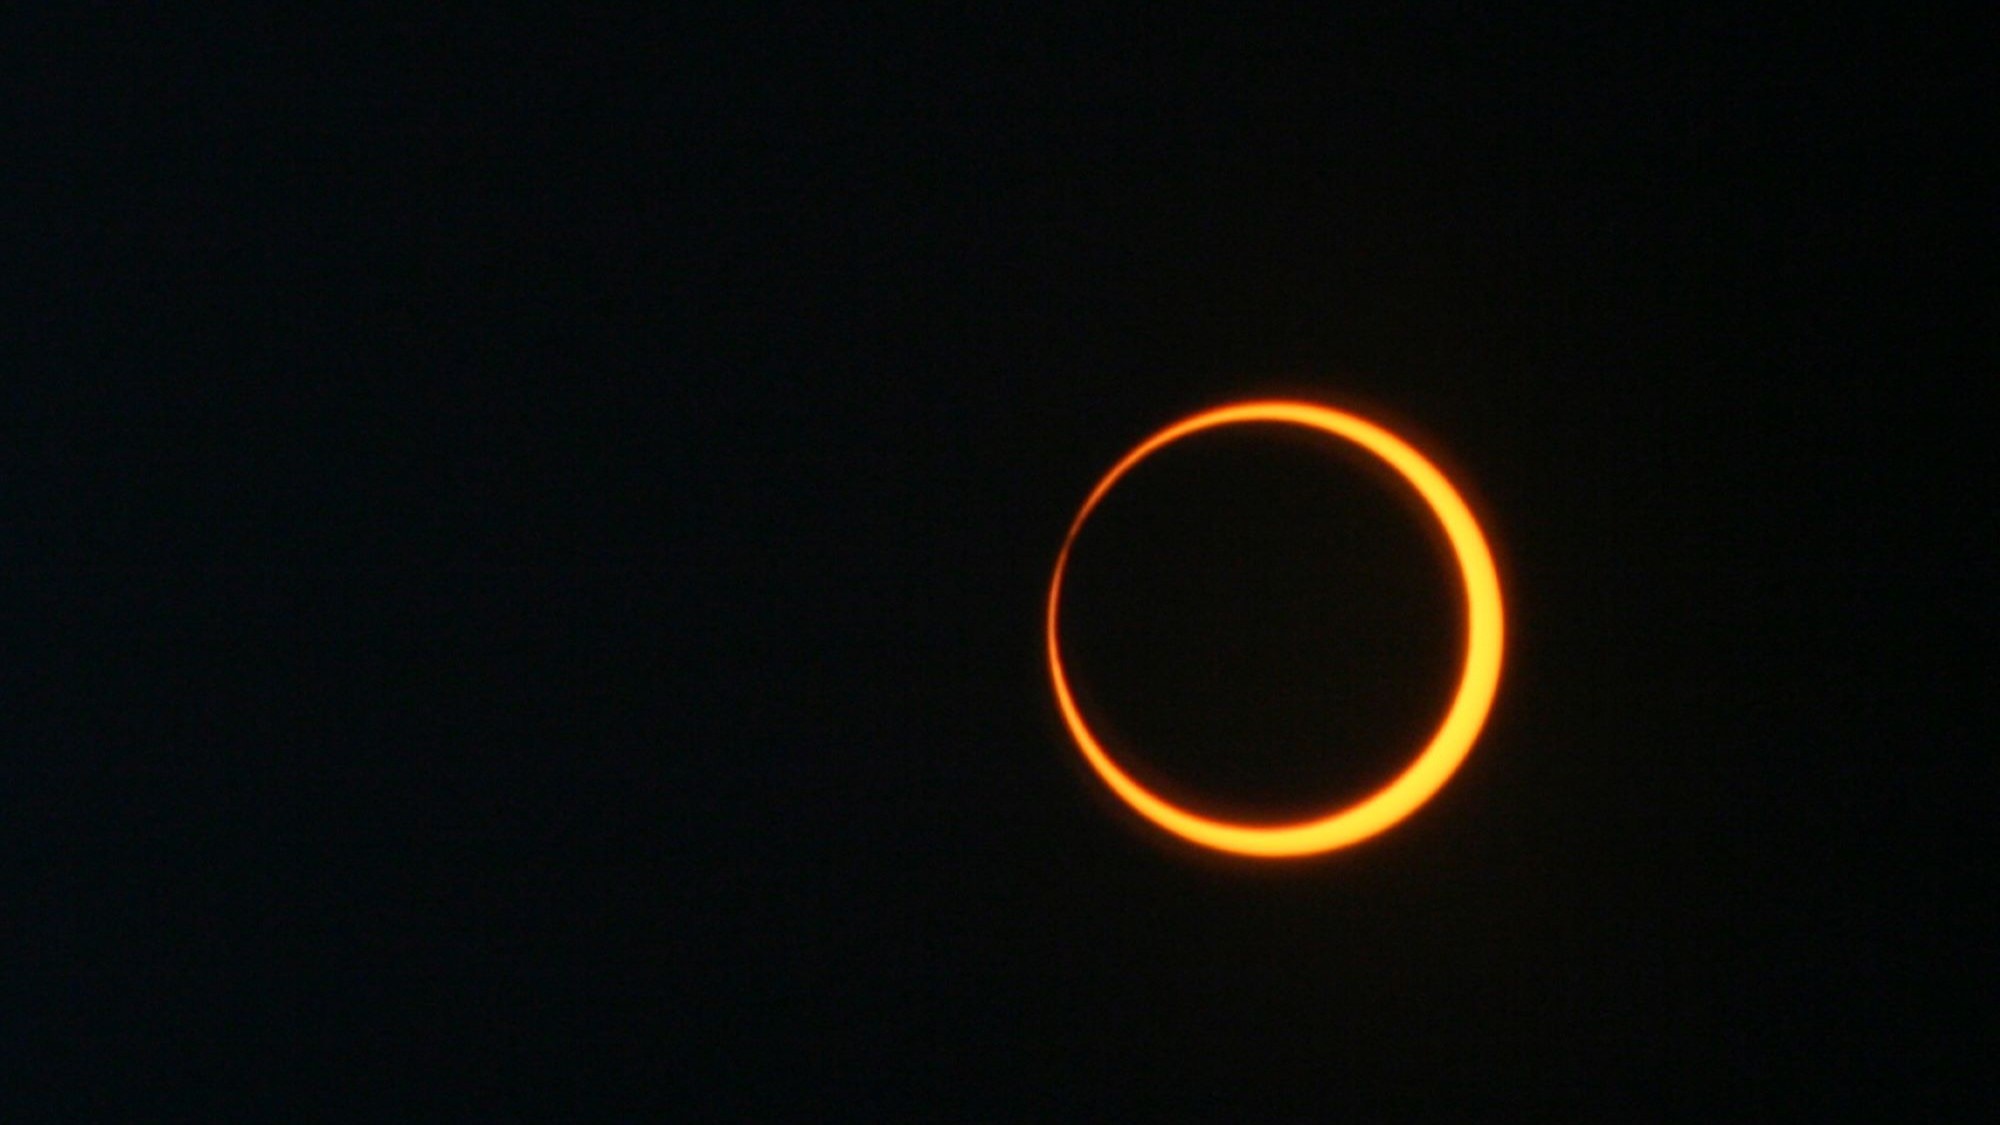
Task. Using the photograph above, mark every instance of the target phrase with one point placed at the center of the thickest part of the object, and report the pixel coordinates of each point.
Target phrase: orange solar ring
(1434, 765)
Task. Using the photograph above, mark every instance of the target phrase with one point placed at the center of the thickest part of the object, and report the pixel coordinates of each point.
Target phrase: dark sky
(526, 545)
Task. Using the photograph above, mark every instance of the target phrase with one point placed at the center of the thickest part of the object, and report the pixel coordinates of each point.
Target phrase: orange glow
(1432, 767)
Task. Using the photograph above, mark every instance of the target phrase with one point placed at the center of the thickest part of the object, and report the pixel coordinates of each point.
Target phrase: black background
(525, 544)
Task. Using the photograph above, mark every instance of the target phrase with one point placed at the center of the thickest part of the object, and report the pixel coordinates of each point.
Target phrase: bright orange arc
(1448, 747)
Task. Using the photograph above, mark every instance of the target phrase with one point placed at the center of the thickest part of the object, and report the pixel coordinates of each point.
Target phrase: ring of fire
(1434, 765)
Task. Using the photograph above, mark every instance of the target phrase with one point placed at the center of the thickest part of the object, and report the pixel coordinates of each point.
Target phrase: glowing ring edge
(1448, 747)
